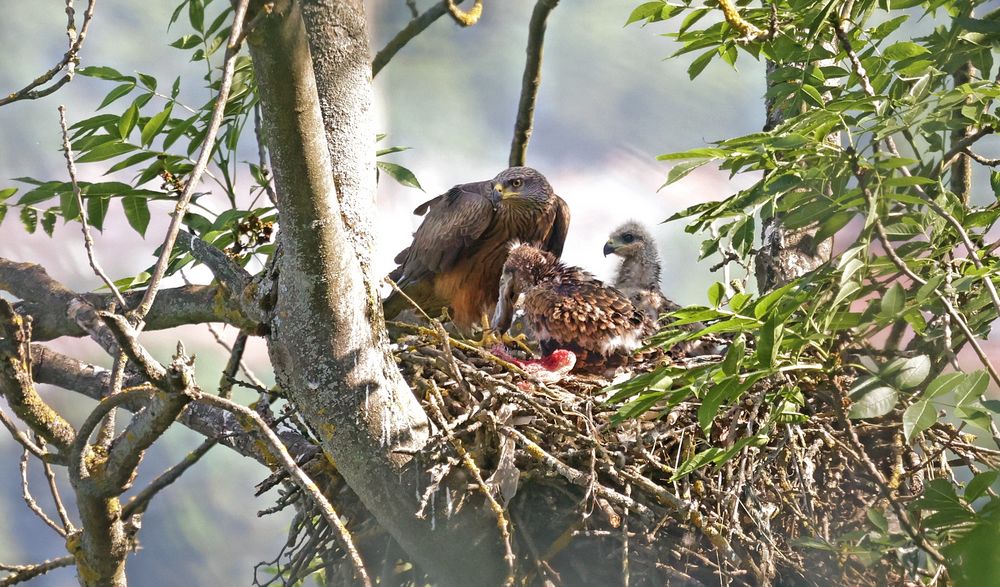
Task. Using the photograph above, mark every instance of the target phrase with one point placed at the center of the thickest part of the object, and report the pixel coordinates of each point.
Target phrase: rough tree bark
(327, 344)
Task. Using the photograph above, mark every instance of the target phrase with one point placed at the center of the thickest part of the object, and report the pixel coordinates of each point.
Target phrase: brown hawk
(459, 249)
(567, 307)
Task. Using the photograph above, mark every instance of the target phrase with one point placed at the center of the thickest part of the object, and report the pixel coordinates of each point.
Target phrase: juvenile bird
(639, 273)
(568, 308)
(459, 249)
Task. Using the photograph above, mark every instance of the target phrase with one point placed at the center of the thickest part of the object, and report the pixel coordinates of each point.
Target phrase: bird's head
(522, 183)
(627, 240)
(524, 267)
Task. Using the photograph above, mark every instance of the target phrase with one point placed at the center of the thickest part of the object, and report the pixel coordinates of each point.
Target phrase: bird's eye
(517, 182)
(628, 237)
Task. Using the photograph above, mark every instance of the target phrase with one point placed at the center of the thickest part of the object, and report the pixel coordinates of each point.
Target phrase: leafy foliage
(869, 148)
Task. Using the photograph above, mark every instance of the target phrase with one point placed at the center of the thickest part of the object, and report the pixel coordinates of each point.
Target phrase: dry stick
(412, 29)
(956, 150)
(530, 82)
(139, 503)
(980, 159)
(21, 437)
(88, 240)
(57, 499)
(298, 476)
(207, 147)
(68, 61)
(32, 504)
(22, 573)
(577, 477)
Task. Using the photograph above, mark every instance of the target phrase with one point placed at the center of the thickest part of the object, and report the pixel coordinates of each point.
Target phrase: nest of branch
(589, 500)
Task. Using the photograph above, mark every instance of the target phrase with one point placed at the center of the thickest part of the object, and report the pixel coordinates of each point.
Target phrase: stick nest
(583, 499)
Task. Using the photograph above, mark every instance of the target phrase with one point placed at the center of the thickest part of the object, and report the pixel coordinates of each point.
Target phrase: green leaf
(49, 221)
(944, 383)
(975, 488)
(995, 183)
(137, 213)
(187, 42)
(127, 122)
(904, 50)
(645, 11)
(101, 72)
(679, 171)
(716, 292)
(6, 193)
(106, 151)
(97, 210)
(196, 14)
(734, 355)
(700, 62)
(812, 95)
(871, 400)
(877, 518)
(906, 372)
(973, 386)
(155, 124)
(29, 218)
(117, 93)
(401, 174)
(918, 417)
(3, 213)
(893, 301)
(69, 205)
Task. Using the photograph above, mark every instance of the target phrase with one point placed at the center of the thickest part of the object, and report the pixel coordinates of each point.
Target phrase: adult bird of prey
(639, 273)
(459, 249)
(568, 308)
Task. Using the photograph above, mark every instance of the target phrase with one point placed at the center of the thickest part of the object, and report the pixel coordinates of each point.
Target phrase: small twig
(22, 573)
(265, 169)
(68, 62)
(57, 498)
(30, 501)
(88, 240)
(529, 82)
(980, 159)
(21, 437)
(411, 30)
(746, 29)
(207, 148)
(139, 503)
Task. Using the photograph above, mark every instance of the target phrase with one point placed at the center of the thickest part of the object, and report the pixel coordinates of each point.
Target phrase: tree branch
(56, 311)
(69, 60)
(530, 82)
(17, 386)
(22, 573)
(411, 30)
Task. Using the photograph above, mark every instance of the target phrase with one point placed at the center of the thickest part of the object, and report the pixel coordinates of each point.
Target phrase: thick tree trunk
(327, 343)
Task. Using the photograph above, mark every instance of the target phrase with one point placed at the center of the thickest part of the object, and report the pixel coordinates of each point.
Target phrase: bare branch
(68, 62)
(207, 147)
(88, 241)
(530, 82)
(30, 501)
(411, 30)
(140, 501)
(22, 573)
(57, 499)
(982, 160)
(22, 438)
(17, 386)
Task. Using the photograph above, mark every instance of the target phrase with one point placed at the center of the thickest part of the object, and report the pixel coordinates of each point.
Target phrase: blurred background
(608, 104)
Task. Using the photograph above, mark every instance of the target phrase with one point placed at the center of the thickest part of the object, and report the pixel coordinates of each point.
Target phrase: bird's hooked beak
(610, 247)
(496, 195)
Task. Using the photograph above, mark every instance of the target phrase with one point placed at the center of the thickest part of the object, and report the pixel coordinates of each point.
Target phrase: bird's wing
(453, 222)
(560, 227)
(584, 312)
